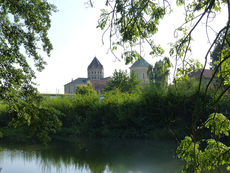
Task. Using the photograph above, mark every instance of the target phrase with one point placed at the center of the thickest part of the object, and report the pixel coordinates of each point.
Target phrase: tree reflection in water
(98, 156)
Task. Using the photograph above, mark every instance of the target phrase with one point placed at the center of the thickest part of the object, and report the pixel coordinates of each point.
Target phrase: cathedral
(96, 76)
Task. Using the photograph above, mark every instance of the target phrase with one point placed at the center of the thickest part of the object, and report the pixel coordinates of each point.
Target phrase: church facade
(95, 77)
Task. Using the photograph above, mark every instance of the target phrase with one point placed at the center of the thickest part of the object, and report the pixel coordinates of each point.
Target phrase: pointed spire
(95, 63)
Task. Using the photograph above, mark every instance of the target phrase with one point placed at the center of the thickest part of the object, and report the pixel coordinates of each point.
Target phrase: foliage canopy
(23, 32)
(24, 39)
(123, 82)
(86, 90)
(159, 74)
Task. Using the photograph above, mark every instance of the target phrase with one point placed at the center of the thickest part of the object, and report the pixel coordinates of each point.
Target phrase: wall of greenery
(148, 113)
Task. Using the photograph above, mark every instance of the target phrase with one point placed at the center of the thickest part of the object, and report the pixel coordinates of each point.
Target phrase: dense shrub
(152, 113)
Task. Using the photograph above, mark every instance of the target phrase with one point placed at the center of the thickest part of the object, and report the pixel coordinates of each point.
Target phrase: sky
(76, 41)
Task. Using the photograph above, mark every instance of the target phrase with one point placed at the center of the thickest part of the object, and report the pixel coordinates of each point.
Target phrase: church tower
(140, 67)
(95, 70)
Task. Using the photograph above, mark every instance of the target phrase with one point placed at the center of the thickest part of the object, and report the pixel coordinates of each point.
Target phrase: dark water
(91, 156)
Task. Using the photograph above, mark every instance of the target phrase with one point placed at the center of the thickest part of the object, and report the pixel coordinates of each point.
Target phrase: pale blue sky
(76, 41)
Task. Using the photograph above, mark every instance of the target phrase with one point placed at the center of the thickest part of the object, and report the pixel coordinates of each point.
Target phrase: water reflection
(92, 156)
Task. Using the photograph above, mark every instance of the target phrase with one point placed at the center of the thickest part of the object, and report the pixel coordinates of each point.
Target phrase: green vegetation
(211, 153)
(151, 113)
(122, 81)
(24, 38)
(158, 74)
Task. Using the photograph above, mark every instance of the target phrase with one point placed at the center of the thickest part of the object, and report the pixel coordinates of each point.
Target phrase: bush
(151, 113)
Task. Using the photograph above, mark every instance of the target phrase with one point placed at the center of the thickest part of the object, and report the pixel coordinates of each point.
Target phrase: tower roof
(95, 63)
(140, 63)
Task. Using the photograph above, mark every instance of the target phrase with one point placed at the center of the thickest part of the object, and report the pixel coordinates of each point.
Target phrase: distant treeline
(148, 113)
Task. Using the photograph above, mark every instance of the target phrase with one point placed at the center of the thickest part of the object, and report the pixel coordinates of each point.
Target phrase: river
(91, 156)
